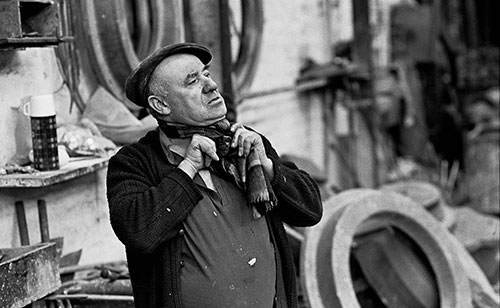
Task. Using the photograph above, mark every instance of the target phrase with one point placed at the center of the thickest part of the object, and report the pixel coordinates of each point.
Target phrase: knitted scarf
(246, 172)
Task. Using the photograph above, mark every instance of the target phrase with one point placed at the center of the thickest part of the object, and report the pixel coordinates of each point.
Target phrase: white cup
(40, 106)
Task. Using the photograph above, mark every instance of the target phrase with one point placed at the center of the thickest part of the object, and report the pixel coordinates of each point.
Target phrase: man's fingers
(236, 138)
(237, 129)
(242, 167)
(241, 141)
(247, 145)
(246, 140)
(201, 151)
(236, 126)
(209, 150)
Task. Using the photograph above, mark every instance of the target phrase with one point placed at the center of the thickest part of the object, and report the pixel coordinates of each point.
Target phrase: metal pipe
(21, 221)
(303, 86)
(43, 220)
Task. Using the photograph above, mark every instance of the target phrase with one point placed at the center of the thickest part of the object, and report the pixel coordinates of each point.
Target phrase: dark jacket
(149, 199)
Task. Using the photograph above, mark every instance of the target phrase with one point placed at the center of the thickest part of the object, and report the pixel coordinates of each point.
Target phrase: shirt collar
(174, 149)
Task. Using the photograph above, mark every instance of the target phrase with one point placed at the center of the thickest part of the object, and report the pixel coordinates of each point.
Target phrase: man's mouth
(214, 100)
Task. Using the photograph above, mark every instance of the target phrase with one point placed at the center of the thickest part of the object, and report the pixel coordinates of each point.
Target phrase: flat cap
(137, 82)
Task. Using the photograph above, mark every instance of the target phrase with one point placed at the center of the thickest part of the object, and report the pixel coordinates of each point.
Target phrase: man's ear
(159, 105)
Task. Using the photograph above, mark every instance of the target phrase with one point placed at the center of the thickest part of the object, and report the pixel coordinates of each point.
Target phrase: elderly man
(199, 203)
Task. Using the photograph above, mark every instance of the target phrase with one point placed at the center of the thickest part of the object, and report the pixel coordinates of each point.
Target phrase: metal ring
(329, 244)
(250, 44)
(315, 252)
(427, 195)
(142, 25)
(430, 236)
(166, 23)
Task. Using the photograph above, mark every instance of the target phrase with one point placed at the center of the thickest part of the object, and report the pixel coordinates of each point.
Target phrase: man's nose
(210, 85)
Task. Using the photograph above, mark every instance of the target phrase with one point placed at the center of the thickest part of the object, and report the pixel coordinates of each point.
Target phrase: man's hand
(199, 154)
(246, 140)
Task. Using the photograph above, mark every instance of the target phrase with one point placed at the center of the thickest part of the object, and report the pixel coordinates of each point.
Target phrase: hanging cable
(67, 59)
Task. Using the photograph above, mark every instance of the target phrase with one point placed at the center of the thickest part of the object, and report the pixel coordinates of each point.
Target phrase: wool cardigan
(149, 199)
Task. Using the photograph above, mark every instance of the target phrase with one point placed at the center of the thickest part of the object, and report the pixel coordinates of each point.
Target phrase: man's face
(191, 93)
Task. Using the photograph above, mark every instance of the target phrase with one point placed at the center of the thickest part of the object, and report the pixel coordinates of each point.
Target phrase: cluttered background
(375, 99)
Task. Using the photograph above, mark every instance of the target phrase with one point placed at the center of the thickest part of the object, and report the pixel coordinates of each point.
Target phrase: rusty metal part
(111, 48)
(327, 249)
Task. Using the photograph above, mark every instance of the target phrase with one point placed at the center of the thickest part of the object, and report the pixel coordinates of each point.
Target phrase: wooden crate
(27, 274)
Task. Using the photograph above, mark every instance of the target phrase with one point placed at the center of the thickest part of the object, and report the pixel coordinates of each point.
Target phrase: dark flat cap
(137, 82)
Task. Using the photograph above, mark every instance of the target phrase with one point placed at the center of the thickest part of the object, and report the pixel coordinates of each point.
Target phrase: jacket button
(181, 263)
(181, 232)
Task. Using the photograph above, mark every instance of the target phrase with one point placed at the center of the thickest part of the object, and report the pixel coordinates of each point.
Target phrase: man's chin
(215, 120)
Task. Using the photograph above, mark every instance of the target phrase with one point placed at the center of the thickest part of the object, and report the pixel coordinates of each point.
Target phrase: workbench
(24, 183)
(75, 168)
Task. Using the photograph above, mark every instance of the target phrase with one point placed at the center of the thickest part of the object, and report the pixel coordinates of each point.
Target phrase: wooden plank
(10, 19)
(28, 273)
(73, 169)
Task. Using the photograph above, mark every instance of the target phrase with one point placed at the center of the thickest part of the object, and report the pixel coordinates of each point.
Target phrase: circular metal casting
(316, 274)
(427, 195)
(473, 271)
(109, 38)
(423, 193)
(245, 65)
(327, 249)
(119, 34)
(400, 212)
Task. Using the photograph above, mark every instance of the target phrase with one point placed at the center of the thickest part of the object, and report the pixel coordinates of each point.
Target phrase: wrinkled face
(188, 91)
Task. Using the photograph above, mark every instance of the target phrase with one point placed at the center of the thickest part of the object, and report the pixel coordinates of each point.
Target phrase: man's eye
(193, 81)
(206, 74)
